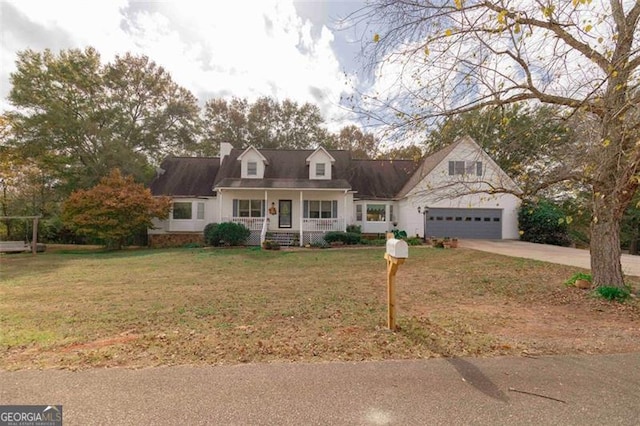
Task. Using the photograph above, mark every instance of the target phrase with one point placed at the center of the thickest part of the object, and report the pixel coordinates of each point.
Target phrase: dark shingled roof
(186, 176)
(285, 164)
(380, 179)
(371, 179)
(284, 183)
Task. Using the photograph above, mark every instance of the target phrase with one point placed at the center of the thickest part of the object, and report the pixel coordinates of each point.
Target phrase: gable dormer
(320, 162)
(252, 164)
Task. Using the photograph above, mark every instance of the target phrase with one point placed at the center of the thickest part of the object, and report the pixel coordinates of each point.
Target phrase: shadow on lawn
(21, 265)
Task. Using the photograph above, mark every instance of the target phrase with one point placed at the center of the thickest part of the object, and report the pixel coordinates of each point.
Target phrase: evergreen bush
(543, 222)
(226, 234)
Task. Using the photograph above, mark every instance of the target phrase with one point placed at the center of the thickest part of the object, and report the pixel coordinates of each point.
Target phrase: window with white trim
(376, 212)
(317, 209)
(359, 212)
(457, 168)
(252, 168)
(200, 212)
(320, 169)
(248, 208)
(181, 210)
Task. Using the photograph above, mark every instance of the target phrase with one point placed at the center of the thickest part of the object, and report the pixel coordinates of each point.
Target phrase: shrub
(414, 241)
(356, 229)
(543, 222)
(226, 234)
(210, 233)
(320, 244)
(375, 242)
(270, 245)
(577, 276)
(344, 237)
(398, 234)
(613, 293)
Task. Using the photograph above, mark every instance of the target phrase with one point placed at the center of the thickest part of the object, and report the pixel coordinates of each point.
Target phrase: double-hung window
(252, 168)
(316, 209)
(359, 212)
(248, 208)
(470, 168)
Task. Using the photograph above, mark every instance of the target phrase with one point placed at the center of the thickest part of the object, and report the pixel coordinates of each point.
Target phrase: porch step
(284, 238)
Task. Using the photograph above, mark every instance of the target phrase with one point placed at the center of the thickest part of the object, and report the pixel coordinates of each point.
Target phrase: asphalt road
(567, 390)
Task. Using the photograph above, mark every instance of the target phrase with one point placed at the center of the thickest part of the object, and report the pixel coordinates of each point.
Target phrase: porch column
(301, 218)
(266, 207)
(344, 213)
(220, 206)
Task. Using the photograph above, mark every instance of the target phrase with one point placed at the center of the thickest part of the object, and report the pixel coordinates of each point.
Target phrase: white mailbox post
(397, 252)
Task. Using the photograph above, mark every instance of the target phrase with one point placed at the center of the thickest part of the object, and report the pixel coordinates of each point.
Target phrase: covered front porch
(291, 217)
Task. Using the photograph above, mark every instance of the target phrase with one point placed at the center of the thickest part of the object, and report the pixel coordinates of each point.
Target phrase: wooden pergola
(34, 237)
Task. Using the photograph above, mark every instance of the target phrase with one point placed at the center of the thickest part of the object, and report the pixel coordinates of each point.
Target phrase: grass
(89, 308)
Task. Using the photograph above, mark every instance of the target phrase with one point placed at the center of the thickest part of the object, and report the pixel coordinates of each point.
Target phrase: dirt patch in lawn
(81, 309)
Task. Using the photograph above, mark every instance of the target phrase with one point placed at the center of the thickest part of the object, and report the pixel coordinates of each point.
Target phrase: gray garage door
(465, 223)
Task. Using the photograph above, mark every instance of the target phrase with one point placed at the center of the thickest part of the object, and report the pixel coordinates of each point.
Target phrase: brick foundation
(174, 240)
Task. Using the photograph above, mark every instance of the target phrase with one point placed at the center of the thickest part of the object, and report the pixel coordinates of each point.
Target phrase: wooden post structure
(395, 256)
(34, 233)
(34, 236)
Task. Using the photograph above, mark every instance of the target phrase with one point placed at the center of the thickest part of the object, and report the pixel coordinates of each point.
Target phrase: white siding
(320, 156)
(438, 189)
(251, 155)
(345, 202)
(376, 227)
(188, 225)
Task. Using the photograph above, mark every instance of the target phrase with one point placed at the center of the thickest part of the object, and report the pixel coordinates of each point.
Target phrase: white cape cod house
(298, 195)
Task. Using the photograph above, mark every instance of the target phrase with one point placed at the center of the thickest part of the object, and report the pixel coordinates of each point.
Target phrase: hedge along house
(296, 196)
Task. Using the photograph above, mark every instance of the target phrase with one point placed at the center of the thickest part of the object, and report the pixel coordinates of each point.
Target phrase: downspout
(220, 206)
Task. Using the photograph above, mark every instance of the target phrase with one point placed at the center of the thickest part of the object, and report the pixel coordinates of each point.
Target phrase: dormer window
(319, 163)
(252, 168)
(253, 164)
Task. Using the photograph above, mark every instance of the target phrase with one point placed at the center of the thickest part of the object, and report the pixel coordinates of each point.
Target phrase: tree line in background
(76, 119)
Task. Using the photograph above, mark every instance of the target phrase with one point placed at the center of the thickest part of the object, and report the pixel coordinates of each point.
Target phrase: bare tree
(439, 58)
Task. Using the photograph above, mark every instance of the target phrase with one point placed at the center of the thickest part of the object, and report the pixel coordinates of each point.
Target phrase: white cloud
(245, 49)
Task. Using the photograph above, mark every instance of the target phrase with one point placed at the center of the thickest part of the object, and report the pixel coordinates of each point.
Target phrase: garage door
(465, 223)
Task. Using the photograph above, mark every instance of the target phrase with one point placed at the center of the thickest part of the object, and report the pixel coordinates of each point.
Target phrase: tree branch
(557, 29)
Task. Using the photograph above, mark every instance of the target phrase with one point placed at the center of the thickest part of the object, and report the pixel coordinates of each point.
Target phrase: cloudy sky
(300, 50)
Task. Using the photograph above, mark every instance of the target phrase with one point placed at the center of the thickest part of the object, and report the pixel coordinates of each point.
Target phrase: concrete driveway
(554, 254)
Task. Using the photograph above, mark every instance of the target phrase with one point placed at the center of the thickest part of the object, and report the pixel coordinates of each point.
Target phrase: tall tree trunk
(606, 268)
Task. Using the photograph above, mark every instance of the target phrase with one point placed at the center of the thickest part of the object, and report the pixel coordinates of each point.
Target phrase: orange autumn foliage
(113, 210)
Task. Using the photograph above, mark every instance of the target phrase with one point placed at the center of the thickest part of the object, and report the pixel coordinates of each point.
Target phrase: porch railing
(323, 225)
(253, 223)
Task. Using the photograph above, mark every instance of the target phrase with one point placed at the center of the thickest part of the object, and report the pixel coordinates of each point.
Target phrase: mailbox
(397, 248)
